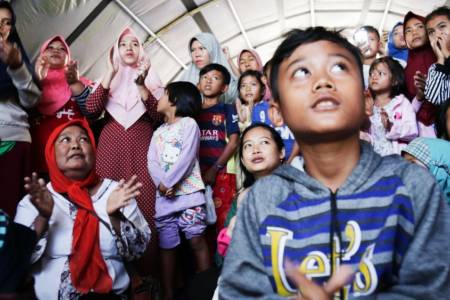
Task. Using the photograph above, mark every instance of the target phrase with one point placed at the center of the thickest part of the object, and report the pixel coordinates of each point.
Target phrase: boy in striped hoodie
(382, 217)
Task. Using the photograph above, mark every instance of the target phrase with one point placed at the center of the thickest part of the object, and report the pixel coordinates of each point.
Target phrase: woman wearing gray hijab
(205, 49)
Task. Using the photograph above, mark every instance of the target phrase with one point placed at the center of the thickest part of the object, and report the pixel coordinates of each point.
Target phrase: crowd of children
(327, 156)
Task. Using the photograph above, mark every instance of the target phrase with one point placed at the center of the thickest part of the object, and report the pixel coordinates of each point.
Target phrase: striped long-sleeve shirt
(437, 88)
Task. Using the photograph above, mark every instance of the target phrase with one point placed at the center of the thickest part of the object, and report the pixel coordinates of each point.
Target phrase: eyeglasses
(6, 22)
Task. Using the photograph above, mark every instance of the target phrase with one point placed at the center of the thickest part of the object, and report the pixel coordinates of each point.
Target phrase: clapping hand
(40, 197)
(385, 120)
(419, 82)
(72, 74)
(10, 54)
(309, 290)
(41, 67)
(143, 71)
(123, 194)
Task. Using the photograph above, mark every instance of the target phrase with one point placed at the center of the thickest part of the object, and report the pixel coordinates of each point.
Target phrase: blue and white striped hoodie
(388, 220)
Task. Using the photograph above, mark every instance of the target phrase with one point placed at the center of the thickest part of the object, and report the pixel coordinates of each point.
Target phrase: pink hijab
(267, 93)
(55, 89)
(125, 103)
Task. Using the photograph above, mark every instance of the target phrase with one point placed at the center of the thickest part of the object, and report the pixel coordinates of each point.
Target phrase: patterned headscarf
(435, 155)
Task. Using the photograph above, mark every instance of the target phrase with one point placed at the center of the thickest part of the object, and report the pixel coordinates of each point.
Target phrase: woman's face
(260, 154)
(56, 54)
(5, 22)
(248, 62)
(129, 49)
(74, 153)
(415, 34)
(398, 38)
(199, 54)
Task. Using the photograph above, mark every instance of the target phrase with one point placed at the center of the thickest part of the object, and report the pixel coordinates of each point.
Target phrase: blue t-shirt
(216, 124)
(261, 114)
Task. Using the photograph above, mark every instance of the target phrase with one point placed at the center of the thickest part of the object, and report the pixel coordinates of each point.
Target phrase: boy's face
(439, 28)
(321, 92)
(374, 45)
(415, 34)
(211, 84)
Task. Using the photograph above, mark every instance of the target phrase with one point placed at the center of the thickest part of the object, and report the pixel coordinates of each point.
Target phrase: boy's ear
(283, 155)
(275, 115)
(225, 88)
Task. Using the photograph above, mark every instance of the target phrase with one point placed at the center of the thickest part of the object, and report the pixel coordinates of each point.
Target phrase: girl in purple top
(174, 167)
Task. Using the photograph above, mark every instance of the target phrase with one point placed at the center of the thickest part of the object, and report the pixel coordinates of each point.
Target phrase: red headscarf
(87, 266)
(419, 59)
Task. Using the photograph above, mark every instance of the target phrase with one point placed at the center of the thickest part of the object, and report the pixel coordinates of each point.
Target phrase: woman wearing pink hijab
(63, 91)
(248, 59)
(128, 94)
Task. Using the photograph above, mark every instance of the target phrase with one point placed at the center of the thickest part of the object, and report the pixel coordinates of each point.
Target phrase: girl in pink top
(393, 123)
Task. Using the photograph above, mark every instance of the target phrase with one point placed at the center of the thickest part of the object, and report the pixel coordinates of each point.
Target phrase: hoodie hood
(367, 165)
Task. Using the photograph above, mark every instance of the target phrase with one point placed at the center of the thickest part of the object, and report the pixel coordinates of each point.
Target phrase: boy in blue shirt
(381, 216)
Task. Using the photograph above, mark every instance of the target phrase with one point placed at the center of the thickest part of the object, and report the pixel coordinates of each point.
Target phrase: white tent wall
(176, 21)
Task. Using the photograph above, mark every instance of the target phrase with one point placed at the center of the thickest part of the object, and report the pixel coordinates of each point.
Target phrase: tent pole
(238, 20)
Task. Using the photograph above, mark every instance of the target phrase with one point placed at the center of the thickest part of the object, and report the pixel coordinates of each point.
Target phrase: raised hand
(226, 51)
(309, 290)
(10, 54)
(419, 82)
(40, 197)
(123, 194)
(143, 67)
(41, 67)
(72, 74)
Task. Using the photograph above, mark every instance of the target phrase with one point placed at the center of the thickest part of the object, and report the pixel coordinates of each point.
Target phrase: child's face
(398, 38)
(374, 45)
(412, 159)
(164, 105)
(211, 84)
(415, 34)
(380, 79)
(247, 62)
(56, 54)
(321, 91)
(439, 28)
(250, 89)
(199, 54)
(260, 154)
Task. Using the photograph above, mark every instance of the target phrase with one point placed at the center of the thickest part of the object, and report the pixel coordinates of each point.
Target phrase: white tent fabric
(91, 26)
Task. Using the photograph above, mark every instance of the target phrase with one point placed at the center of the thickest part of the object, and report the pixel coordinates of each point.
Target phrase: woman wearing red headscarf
(420, 58)
(91, 226)
(62, 91)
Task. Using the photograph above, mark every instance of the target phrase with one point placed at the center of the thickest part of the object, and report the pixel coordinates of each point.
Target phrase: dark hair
(258, 76)
(398, 85)
(186, 97)
(440, 11)
(296, 38)
(371, 29)
(217, 67)
(249, 178)
(441, 122)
